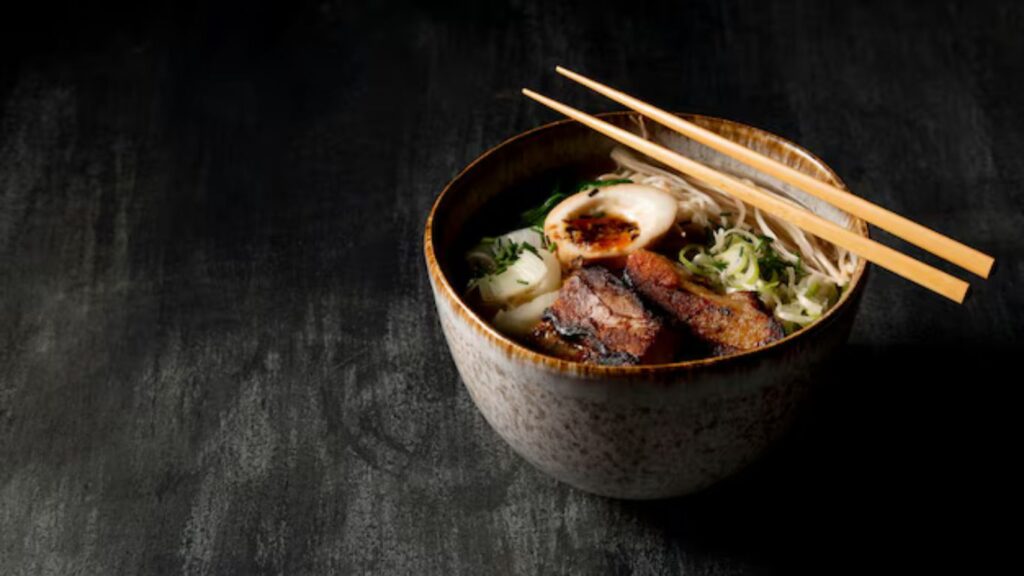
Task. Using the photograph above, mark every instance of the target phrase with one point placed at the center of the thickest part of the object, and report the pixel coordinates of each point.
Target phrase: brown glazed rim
(516, 350)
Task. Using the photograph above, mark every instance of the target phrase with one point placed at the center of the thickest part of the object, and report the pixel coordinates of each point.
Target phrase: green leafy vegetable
(771, 264)
(588, 184)
(535, 216)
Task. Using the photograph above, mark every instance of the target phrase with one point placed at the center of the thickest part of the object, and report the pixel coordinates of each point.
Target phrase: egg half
(607, 223)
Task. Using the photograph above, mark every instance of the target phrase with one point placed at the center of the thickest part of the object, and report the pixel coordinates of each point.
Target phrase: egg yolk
(601, 232)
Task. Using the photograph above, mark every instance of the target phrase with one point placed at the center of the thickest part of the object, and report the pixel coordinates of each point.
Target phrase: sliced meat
(545, 337)
(603, 321)
(728, 323)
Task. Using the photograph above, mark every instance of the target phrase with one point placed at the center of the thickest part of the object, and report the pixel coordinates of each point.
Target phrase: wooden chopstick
(896, 262)
(943, 246)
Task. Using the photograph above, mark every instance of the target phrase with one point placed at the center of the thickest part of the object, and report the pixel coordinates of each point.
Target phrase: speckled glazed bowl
(638, 432)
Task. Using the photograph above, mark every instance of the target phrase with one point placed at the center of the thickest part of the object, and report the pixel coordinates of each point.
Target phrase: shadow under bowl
(637, 432)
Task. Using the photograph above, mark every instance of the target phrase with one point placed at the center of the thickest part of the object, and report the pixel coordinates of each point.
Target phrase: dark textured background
(218, 352)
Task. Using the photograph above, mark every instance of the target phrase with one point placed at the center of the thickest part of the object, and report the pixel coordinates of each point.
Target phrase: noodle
(793, 298)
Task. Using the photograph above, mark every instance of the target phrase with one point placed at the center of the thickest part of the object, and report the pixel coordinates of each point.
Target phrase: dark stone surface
(218, 352)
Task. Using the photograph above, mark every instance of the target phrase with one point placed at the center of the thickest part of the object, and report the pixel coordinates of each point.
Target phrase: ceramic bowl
(637, 432)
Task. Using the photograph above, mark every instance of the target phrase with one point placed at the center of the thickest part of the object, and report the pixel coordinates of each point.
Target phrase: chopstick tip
(567, 73)
(535, 96)
(989, 268)
(963, 295)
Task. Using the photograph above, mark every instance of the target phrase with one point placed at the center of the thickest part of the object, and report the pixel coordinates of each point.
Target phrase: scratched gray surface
(218, 352)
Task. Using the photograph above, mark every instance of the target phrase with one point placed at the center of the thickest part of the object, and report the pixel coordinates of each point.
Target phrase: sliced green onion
(739, 260)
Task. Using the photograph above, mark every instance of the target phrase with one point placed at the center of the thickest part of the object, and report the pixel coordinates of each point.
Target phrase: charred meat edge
(728, 323)
(599, 319)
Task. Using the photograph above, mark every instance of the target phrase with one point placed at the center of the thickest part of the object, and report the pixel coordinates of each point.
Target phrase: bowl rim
(515, 349)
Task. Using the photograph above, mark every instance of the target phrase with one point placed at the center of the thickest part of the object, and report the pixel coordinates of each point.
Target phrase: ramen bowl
(634, 432)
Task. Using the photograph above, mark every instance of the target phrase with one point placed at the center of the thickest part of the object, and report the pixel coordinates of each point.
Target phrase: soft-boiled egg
(610, 222)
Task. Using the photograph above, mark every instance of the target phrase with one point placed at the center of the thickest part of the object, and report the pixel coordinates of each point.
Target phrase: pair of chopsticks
(914, 270)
